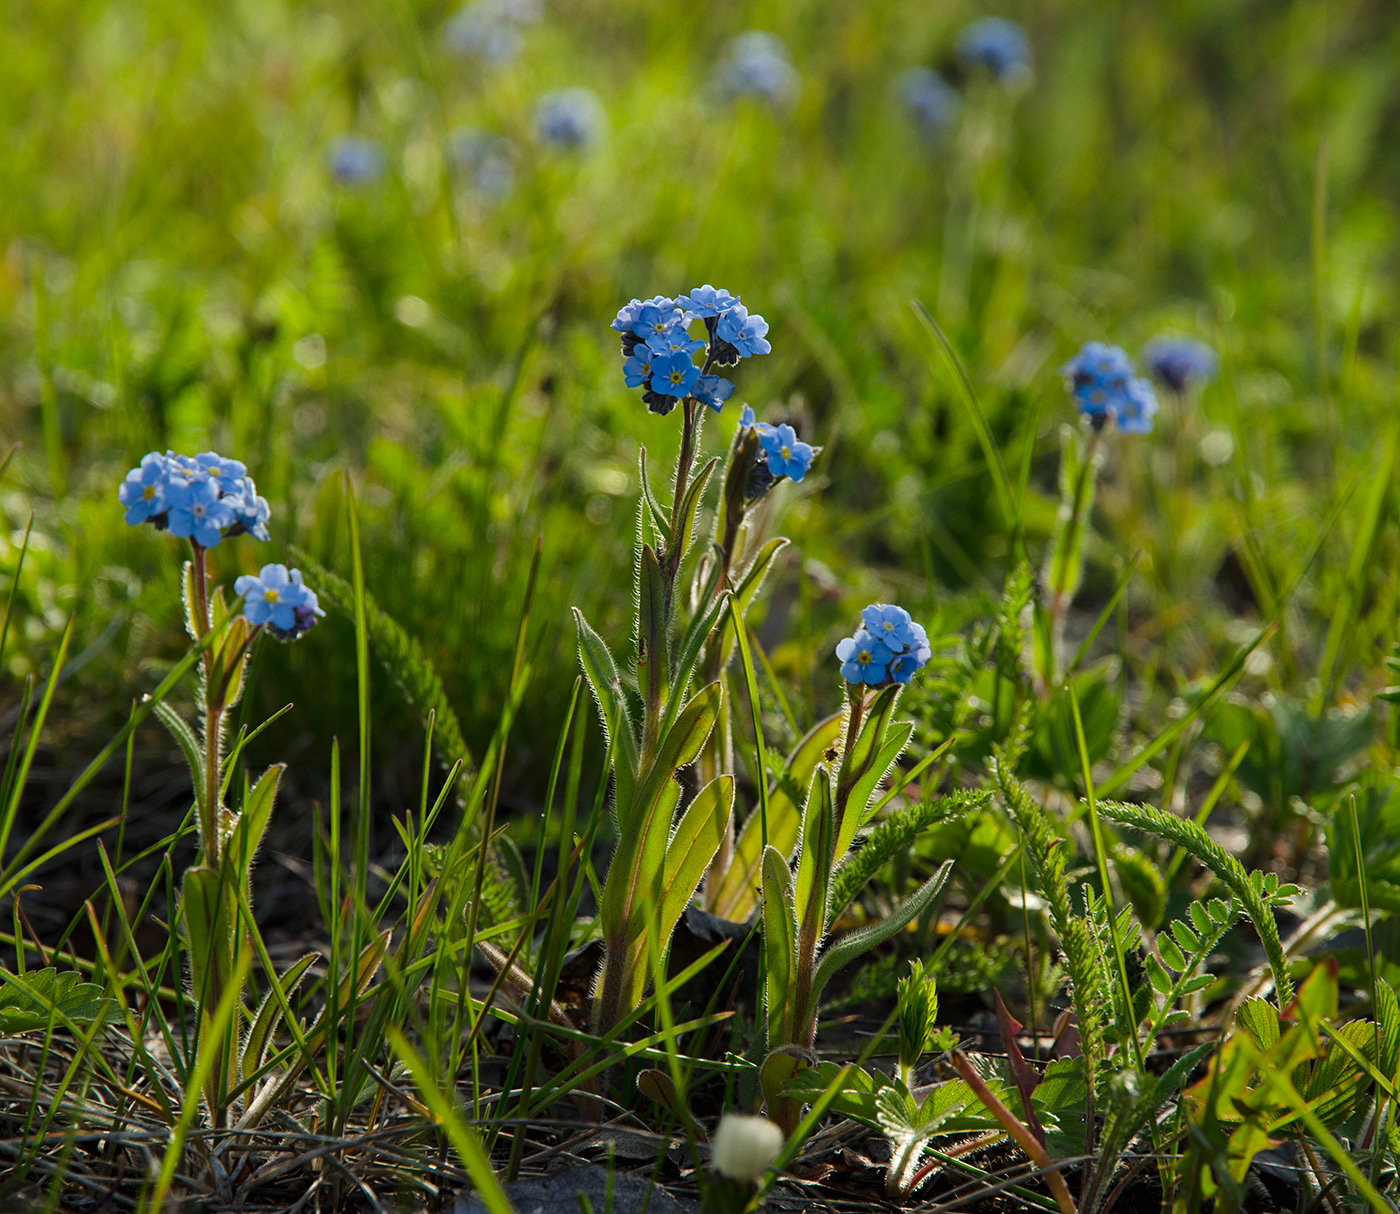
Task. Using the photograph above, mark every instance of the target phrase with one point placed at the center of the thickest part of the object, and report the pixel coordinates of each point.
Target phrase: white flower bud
(743, 1147)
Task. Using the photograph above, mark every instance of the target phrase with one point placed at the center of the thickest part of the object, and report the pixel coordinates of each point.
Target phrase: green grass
(423, 382)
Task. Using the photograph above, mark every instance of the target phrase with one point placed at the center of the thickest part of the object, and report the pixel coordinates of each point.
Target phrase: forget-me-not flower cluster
(571, 120)
(204, 498)
(660, 348)
(1180, 362)
(997, 46)
(756, 64)
(889, 647)
(1107, 388)
(491, 31)
(355, 160)
(932, 102)
(277, 599)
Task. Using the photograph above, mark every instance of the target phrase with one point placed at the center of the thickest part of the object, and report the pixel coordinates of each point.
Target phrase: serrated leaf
(1259, 1018)
(1159, 978)
(38, 997)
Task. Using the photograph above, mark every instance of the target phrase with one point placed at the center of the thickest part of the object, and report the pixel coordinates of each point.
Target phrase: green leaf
(601, 671)
(815, 857)
(691, 504)
(750, 584)
(653, 656)
(659, 520)
(194, 754)
(211, 909)
(270, 1013)
(37, 998)
(738, 891)
(854, 944)
(705, 824)
(779, 941)
(252, 823)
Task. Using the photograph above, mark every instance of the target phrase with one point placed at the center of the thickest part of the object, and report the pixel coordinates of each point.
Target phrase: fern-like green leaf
(410, 668)
(894, 835)
(1254, 893)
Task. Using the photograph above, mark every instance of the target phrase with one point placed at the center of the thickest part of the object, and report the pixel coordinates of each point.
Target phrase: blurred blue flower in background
(278, 600)
(490, 30)
(485, 161)
(1180, 362)
(997, 46)
(787, 455)
(931, 101)
(1106, 388)
(756, 64)
(570, 119)
(355, 160)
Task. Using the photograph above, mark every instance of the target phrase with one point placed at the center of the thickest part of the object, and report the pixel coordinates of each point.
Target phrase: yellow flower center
(787, 452)
(863, 657)
(148, 492)
(270, 596)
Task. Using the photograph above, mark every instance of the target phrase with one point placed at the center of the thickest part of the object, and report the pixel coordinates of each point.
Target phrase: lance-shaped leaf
(860, 758)
(779, 942)
(749, 585)
(690, 505)
(658, 516)
(857, 943)
(194, 756)
(622, 912)
(705, 824)
(858, 807)
(738, 892)
(210, 909)
(815, 858)
(653, 658)
(252, 823)
(692, 645)
(598, 665)
(270, 1013)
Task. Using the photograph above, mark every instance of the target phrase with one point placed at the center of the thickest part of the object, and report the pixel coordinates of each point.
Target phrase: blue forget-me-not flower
(1106, 388)
(570, 119)
(659, 347)
(889, 647)
(356, 161)
(277, 599)
(756, 64)
(786, 454)
(490, 30)
(931, 101)
(997, 46)
(205, 498)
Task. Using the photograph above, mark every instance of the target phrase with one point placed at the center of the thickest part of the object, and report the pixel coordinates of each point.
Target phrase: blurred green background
(183, 266)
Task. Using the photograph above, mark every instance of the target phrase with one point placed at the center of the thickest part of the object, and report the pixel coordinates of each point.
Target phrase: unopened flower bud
(743, 1147)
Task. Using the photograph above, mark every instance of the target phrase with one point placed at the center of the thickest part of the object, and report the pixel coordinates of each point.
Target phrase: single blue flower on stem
(863, 659)
(706, 301)
(756, 64)
(743, 333)
(891, 624)
(278, 599)
(143, 490)
(997, 45)
(787, 455)
(673, 375)
(1180, 362)
(712, 390)
(197, 512)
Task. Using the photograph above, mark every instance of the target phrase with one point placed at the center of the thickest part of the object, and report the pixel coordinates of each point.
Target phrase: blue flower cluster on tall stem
(204, 498)
(207, 499)
(1106, 387)
(889, 647)
(998, 47)
(659, 346)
